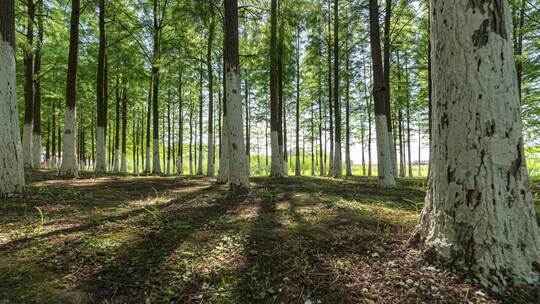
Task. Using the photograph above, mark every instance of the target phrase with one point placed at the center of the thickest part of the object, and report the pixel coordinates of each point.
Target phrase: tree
(337, 170)
(29, 86)
(11, 161)
(69, 166)
(238, 177)
(385, 159)
(479, 216)
(276, 169)
(210, 162)
(36, 130)
(101, 148)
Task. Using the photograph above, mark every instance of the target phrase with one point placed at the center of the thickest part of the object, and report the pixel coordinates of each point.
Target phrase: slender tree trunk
(211, 146)
(297, 171)
(36, 136)
(248, 128)
(180, 161)
(148, 120)
(168, 165)
(238, 177)
(348, 165)
(29, 89)
(277, 161)
(387, 87)
(11, 160)
(200, 162)
(313, 150)
(370, 131)
(101, 152)
(48, 145)
(53, 139)
(330, 96)
(223, 175)
(69, 167)
(479, 215)
(337, 171)
(190, 135)
(408, 120)
(123, 166)
(116, 163)
(385, 161)
(282, 140)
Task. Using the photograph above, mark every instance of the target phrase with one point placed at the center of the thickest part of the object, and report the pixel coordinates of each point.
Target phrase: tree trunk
(11, 160)
(211, 146)
(282, 135)
(190, 135)
(148, 120)
(385, 160)
(408, 120)
(116, 162)
(479, 214)
(29, 89)
(330, 99)
(348, 165)
(101, 148)
(168, 165)
(69, 168)
(180, 161)
(248, 139)
(337, 171)
(223, 174)
(276, 169)
(123, 168)
(297, 164)
(36, 136)
(387, 87)
(200, 162)
(238, 178)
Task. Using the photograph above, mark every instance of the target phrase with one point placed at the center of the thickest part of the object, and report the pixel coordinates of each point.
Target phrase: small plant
(42, 221)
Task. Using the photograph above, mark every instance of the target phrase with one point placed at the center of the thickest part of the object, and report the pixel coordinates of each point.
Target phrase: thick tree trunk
(385, 160)
(276, 169)
(69, 168)
(238, 177)
(11, 160)
(479, 215)
(101, 148)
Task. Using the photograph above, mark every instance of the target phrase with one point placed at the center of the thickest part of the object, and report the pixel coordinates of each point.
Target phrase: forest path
(157, 239)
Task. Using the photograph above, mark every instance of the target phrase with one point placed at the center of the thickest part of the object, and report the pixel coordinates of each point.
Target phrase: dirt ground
(153, 239)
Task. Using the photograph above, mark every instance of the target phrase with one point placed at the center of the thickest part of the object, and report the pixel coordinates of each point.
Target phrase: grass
(155, 239)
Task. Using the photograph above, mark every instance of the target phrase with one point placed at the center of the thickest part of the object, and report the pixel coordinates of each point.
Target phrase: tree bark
(148, 121)
(69, 168)
(123, 165)
(297, 170)
(36, 136)
(385, 160)
(211, 146)
(11, 160)
(479, 214)
(29, 89)
(116, 162)
(180, 161)
(200, 162)
(101, 148)
(337, 171)
(276, 169)
(238, 177)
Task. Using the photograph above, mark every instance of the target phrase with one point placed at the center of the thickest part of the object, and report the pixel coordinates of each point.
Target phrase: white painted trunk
(36, 150)
(123, 168)
(116, 161)
(384, 153)
(223, 174)
(200, 163)
(179, 166)
(211, 152)
(238, 178)
(156, 168)
(27, 144)
(479, 215)
(11, 156)
(69, 168)
(276, 166)
(101, 151)
(147, 162)
(338, 170)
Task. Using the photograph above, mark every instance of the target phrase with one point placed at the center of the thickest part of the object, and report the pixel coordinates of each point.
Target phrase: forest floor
(122, 239)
